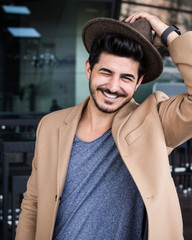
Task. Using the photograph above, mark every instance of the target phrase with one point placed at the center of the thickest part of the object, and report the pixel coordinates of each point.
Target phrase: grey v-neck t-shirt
(100, 199)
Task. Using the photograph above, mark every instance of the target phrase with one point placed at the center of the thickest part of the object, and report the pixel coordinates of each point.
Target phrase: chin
(108, 109)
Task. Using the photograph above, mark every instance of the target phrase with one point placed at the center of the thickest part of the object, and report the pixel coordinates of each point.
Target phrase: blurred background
(42, 61)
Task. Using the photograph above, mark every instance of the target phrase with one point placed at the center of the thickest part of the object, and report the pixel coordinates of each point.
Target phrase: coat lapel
(66, 137)
(121, 117)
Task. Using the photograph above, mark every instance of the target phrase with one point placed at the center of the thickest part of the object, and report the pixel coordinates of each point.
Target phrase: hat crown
(142, 26)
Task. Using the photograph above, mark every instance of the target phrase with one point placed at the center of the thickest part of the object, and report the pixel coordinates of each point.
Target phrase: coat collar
(76, 112)
(121, 114)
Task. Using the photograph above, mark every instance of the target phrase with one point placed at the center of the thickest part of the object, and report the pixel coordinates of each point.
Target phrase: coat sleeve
(26, 228)
(176, 112)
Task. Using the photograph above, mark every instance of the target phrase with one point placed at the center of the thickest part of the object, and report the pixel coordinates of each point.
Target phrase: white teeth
(110, 95)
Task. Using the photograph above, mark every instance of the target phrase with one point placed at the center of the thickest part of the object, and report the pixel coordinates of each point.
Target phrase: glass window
(42, 54)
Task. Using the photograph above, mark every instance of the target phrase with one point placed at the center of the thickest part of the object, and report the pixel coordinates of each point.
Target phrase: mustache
(118, 94)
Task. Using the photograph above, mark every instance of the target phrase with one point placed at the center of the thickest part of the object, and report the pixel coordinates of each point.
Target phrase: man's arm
(175, 113)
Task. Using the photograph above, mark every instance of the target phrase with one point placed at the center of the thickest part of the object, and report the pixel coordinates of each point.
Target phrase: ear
(87, 69)
(139, 82)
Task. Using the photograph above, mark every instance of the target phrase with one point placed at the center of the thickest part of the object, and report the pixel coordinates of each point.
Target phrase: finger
(131, 17)
(136, 16)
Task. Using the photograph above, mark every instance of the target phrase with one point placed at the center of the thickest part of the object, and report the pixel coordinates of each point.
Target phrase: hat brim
(98, 26)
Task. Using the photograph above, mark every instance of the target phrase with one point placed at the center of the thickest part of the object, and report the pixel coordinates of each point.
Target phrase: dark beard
(105, 110)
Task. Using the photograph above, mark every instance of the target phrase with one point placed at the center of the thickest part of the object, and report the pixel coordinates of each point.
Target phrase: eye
(127, 79)
(106, 73)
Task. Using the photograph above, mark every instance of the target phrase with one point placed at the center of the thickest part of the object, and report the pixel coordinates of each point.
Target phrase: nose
(113, 84)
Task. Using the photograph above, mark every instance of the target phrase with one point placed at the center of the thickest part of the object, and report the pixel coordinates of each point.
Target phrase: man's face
(112, 81)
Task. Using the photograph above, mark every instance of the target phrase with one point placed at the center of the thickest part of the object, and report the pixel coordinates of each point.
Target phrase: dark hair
(119, 45)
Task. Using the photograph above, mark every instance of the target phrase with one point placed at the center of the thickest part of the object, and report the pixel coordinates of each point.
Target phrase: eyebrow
(122, 74)
(105, 70)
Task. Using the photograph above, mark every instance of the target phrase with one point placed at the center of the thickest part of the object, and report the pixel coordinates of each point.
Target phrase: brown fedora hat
(140, 30)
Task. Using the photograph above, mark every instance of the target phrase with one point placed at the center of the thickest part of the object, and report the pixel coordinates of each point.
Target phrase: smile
(112, 96)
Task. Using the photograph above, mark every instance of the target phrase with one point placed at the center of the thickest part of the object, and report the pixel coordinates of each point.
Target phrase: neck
(93, 122)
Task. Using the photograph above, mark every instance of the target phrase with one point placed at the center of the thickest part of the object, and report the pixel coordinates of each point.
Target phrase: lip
(107, 96)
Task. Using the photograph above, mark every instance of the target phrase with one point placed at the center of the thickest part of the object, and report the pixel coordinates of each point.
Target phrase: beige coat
(145, 134)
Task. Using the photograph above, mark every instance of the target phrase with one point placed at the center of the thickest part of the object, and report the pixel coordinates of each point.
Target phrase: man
(101, 169)
(54, 106)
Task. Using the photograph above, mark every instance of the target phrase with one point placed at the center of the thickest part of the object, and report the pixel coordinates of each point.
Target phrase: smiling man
(101, 169)
(113, 81)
